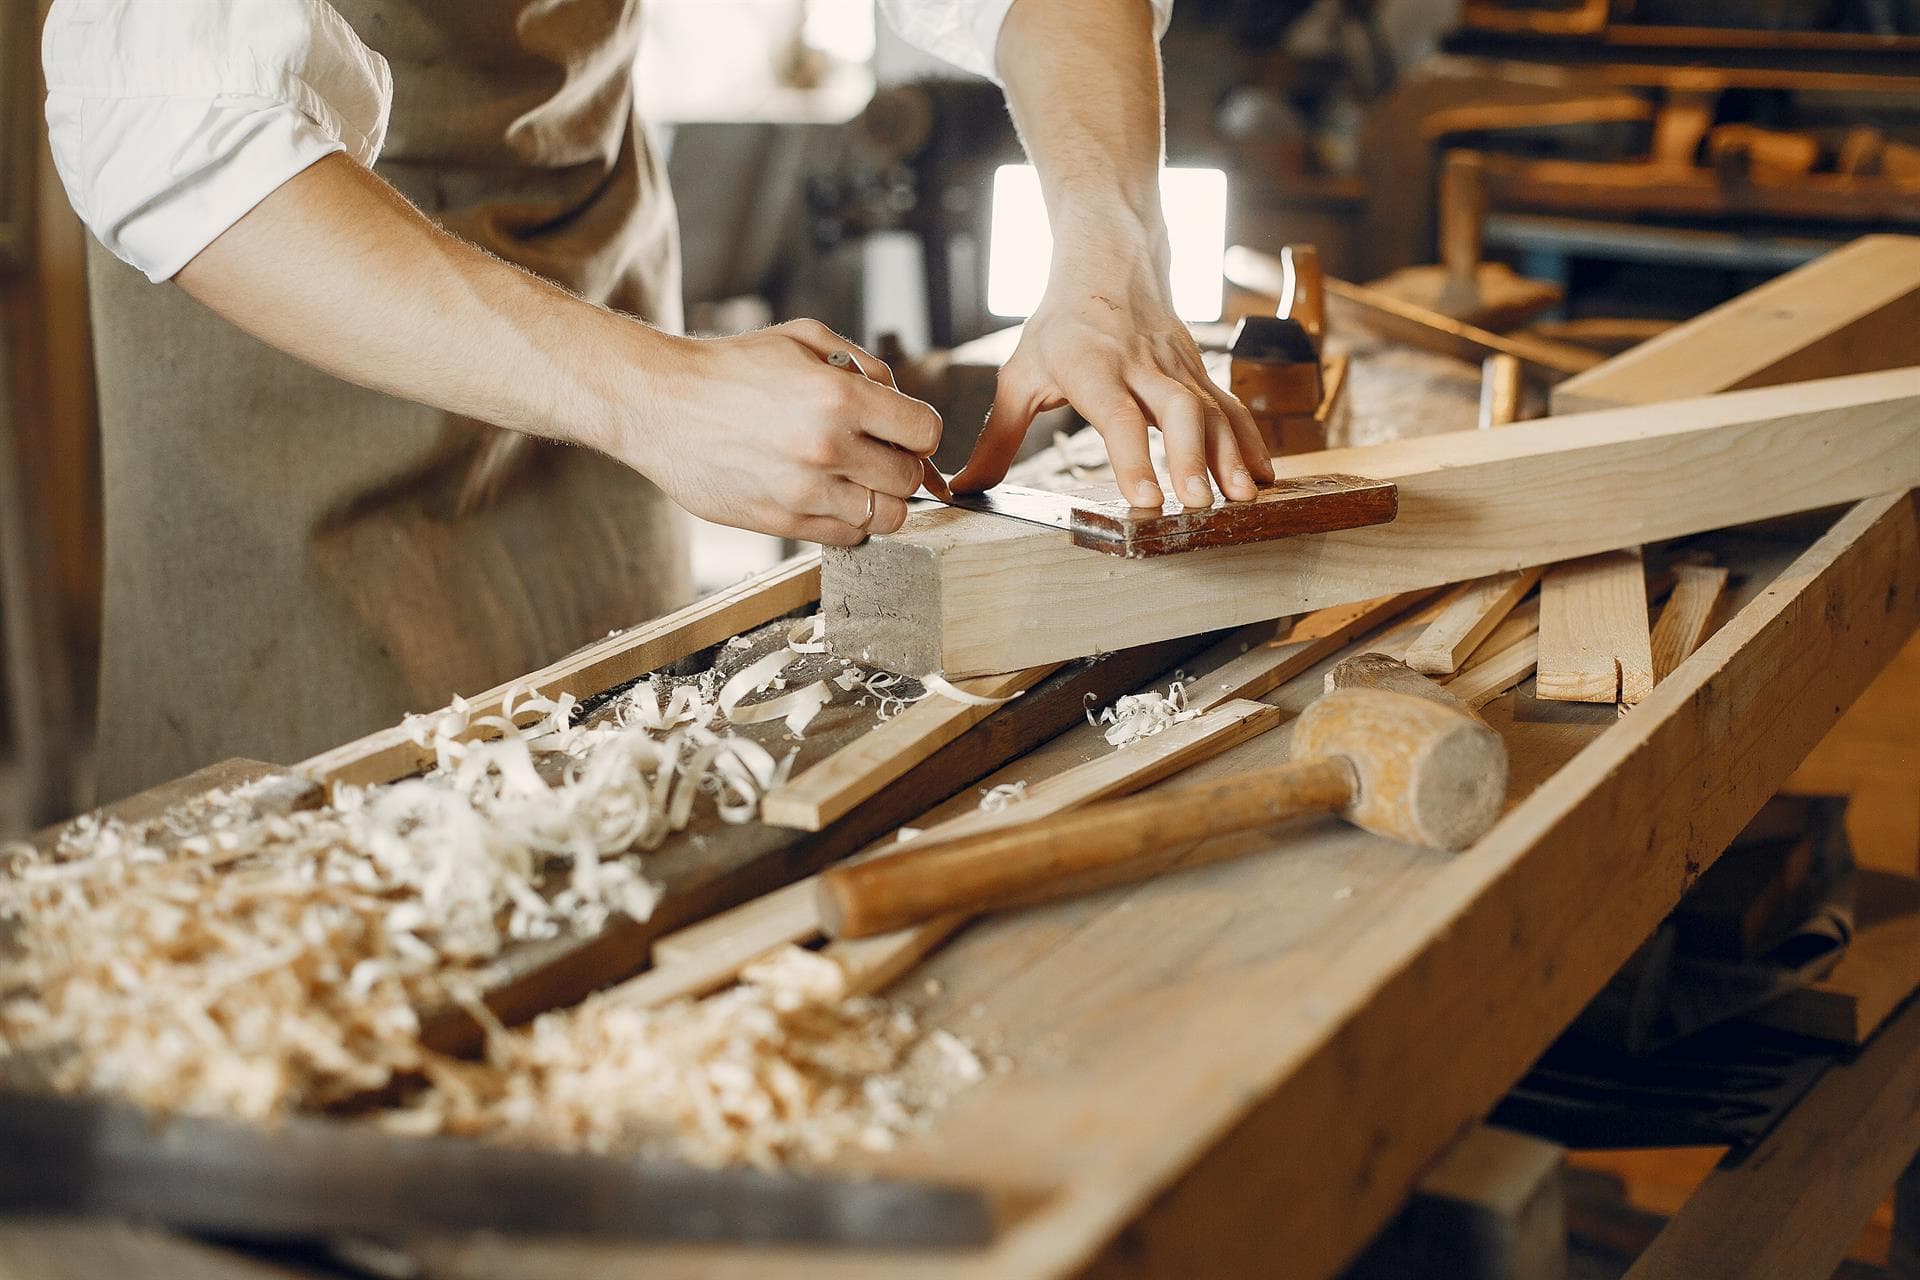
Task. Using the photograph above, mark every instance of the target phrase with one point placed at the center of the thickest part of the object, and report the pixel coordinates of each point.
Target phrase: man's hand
(1083, 81)
(1108, 343)
(760, 431)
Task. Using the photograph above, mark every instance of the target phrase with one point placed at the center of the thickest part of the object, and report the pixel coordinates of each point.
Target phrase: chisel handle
(1055, 857)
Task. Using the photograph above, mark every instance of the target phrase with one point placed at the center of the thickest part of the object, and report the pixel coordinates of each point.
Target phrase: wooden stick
(831, 788)
(1501, 384)
(1471, 504)
(1594, 641)
(1430, 330)
(1468, 620)
(1689, 611)
(392, 753)
(753, 928)
(1507, 657)
(1263, 668)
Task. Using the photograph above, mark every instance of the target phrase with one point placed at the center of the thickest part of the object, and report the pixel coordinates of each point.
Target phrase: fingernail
(1241, 477)
(1199, 492)
(1147, 494)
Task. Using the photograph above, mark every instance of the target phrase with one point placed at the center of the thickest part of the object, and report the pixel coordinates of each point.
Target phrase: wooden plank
(831, 788)
(1792, 1207)
(1880, 970)
(1498, 672)
(1854, 310)
(1465, 622)
(1472, 504)
(390, 753)
(1687, 615)
(711, 954)
(1594, 641)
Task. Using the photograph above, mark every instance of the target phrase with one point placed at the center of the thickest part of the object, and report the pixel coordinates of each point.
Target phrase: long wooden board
(971, 594)
(1854, 310)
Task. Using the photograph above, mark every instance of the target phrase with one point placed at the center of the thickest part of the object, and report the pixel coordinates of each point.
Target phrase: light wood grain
(1792, 1207)
(1880, 969)
(1471, 504)
(1850, 311)
(1685, 617)
(1468, 620)
(1595, 645)
(391, 753)
(831, 788)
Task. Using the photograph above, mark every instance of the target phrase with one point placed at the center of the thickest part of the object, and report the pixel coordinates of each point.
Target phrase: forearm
(1083, 82)
(337, 269)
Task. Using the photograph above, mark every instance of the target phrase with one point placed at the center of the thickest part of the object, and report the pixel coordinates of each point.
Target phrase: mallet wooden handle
(1056, 857)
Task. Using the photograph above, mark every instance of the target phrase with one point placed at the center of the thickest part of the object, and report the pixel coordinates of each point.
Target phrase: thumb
(1000, 439)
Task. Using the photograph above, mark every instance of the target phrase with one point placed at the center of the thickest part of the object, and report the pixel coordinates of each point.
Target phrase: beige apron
(282, 569)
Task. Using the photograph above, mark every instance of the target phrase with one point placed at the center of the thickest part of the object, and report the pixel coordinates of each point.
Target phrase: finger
(1182, 420)
(1014, 405)
(881, 467)
(898, 419)
(889, 513)
(827, 531)
(1250, 445)
(1123, 427)
(824, 342)
(853, 504)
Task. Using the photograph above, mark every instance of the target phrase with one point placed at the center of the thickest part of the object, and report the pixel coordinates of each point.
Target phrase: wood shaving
(1141, 715)
(994, 799)
(785, 1068)
(234, 959)
(934, 683)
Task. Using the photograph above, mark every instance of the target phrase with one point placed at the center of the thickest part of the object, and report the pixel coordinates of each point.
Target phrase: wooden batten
(973, 594)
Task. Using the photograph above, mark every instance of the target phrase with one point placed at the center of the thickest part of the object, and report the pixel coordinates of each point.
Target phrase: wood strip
(1594, 641)
(1430, 330)
(1688, 613)
(831, 788)
(1796, 1202)
(1512, 924)
(391, 753)
(1465, 622)
(712, 954)
(1494, 675)
(1472, 504)
(1850, 311)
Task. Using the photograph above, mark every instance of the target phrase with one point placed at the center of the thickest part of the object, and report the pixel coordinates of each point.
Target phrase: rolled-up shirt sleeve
(170, 120)
(966, 32)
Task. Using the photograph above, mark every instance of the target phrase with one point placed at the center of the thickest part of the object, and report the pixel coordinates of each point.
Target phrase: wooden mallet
(1407, 767)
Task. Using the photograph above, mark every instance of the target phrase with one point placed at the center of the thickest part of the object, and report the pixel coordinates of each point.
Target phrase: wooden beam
(1594, 641)
(970, 594)
(831, 788)
(1688, 613)
(1793, 1206)
(391, 753)
(1468, 620)
(1854, 310)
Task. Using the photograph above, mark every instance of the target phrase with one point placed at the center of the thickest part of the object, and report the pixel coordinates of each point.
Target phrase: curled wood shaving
(1141, 715)
(994, 799)
(934, 683)
(797, 707)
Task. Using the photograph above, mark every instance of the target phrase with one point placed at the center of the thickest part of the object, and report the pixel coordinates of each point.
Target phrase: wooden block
(967, 594)
(1880, 969)
(1687, 615)
(1850, 311)
(1594, 642)
(391, 753)
(831, 788)
(1502, 384)
(1468, 620)
(1490, 1208)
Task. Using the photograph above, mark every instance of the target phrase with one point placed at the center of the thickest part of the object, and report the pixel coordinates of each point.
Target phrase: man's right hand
(759, 431)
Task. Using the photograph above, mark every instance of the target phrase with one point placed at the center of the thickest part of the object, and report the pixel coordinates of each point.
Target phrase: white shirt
(170, 119)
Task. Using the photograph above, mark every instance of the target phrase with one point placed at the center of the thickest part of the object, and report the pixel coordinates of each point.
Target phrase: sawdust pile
(785, 1068)
(242, 957)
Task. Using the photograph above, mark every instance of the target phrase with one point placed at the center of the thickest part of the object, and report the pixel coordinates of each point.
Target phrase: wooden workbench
(1240, 1069)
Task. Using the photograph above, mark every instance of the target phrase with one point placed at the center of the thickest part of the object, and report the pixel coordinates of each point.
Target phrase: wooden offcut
(1687, 615)
(967, 594)
(1594, 640)
(1468, 620)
